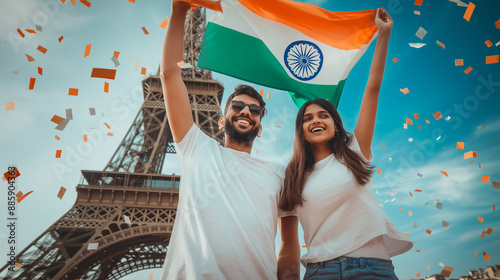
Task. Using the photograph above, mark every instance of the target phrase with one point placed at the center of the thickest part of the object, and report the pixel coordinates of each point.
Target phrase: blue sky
(435, 84)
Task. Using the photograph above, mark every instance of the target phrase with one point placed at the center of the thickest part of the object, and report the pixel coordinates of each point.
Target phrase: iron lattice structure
(129, 208)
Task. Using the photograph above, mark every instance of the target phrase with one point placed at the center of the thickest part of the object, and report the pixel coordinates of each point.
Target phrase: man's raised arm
(174, 90)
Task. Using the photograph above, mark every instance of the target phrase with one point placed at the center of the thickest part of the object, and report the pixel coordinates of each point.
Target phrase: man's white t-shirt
(226, 220)
(340, 216)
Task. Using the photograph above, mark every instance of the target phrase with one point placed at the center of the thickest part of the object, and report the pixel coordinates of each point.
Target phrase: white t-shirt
(226, 220)
(340, 216)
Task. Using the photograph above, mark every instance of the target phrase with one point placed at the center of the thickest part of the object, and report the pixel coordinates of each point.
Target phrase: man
(226, 220)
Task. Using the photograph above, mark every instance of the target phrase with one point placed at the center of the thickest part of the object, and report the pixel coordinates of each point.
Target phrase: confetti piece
(480, 219)
(116, 54)
(41, 49)
(73, 92)
(18, 265)
(441, 44)
(57, 138)
(145, 31)
(437, 115)
(416, 12)
(439, 205)
(460, 145)
(459, 62)
(73, 2)
(20, 32)
(418, 275)
(448, 118)
(488, 43)
(29, 57)
(492, 59)
(408, 121)
(304, 246)
(489, 231)
(444, 173)
(493, 207)
(164, 23)
(115, 61)
(484, 253)
(106, 87)
(87, 50)
(85, 138)
(485, 179)
(414, 225)
(10, 106)
(468, 12)
(421, 33)
(40, 71)
(438, 138)
(404, 90)
(92, 246)
(446, 272)
(428, 231)
(419, 175)
(21, 197)
(395, 59)
(496, 185)
(58, 153)
(497, 24)
(416, 45)
(383, 147)
(62, 125)
(107, 125)
(459, 3)
(61, 192)
(38, 28)
(415, 116)
(407, 234)
(483, 234)
(470, 154)
(180, 63)
(379, 171)
(268, 96)
(410, 139)
(110, 134)
(32, 83)
(417, 190)
(475, 255)
(10, 177)
(427, 121)
(390, 159)
(467, 71)
(136, 65)
(410, 195)
(480, 127)
(86, 3)
(69, 114)
(103, 73)
(445, 224)
(151, 276)
(15, 72)
(92, 111)
(143, 71)
(127, 219)
(60, 39)
(418, 3)
(410, 213)
(56, 119)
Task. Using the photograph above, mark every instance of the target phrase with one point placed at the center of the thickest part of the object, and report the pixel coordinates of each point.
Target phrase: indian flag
(298, 47)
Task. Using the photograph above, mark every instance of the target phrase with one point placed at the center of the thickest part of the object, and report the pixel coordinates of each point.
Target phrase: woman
(347, 234)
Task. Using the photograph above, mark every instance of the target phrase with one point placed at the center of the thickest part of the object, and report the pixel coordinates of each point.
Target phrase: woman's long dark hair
(302, 161)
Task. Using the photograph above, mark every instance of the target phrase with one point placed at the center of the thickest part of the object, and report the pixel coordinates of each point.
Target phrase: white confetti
(92, 246)
(480, 127)
(438, 138)
(127, 219)
(405, 126)
(393, 192)
(448, 118)
(441, 264)
(421, 33)
(459, 3)
(390, 159)
(410, 139)
(417, 45)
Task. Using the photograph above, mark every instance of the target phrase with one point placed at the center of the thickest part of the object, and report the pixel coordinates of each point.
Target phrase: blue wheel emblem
(304, 60)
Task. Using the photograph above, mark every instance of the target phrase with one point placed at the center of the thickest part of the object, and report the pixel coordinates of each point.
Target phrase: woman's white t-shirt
(339, 216)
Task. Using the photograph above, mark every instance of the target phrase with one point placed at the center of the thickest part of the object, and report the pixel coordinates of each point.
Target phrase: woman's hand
(383, 20)
(180, 5)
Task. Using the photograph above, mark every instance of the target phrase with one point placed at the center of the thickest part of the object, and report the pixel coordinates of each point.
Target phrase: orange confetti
(444, 173)
(30, 31)
(40, 71)
(56, 119)
(493, 207)
(416, 12)
(486, 256)
(136, 65)
(87, 50)
(426, 203)
(58, 153)
(106, 87)
(427, 121)
(379, 171)
(408, 121)
(262, 92)
(32, 83)
(395, 59)
(143, 71)
(383, 147)
(410, 196)
(61, 192)
(419, 127)
(73, 2)
(488, 43)
(410, 213)
(417, 190)
(60, 39)
(489, 231)
(116, 54)
(437, 115)
(497, 24)
(278, 126)
(57, 138)
(21, 197)
(103, 73)
(428, 231)
(41, 49)
(180, 63)
(441, 44)
(418, 2)
(415, 116)
(400, 209)
(470, 154)
(407, 234)
(10, 106)
(145, 31)
(18, 265)
(73, 92)
(107, 125)
(404, 90)
(268, 96)
(418, 251)
(467, 71)
(460, 145)
(85, 138)
(485, 179)
(110, 134)
(304, 246)
(20, 32)
(418, 275)
(86, 3)
(29, 57)
(164, 23)
(475, 255)
(468, 12)
(492, 59)
(10, 177)
(480, 219)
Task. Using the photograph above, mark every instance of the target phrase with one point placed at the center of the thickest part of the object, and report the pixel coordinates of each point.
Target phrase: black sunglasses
(237, 106)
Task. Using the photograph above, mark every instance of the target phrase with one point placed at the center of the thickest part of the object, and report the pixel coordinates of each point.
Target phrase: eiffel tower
(129, 208)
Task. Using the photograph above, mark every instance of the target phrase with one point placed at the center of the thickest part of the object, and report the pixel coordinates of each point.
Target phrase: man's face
(242, 125)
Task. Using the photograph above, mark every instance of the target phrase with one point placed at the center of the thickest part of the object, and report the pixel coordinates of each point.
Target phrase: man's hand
(383, 20)
(180, 4)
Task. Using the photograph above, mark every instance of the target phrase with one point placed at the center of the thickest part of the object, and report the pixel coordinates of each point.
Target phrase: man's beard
(234, 134)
